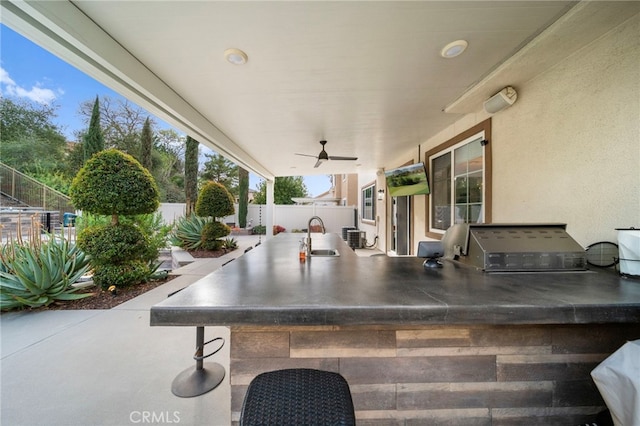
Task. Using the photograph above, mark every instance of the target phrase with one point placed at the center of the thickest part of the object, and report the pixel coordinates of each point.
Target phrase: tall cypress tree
(243, 196)
(93, 141)
(191, 174)
(147, 145)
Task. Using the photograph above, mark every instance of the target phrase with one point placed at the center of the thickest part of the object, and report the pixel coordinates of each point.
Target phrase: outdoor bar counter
(452, 345)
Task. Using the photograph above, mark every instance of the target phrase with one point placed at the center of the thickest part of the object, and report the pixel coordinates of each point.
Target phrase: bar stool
(298, 396)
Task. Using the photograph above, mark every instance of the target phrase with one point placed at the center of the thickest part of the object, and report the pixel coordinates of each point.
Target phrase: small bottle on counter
(302, 254)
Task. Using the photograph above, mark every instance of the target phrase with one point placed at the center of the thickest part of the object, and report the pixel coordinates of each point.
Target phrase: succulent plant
(230, 243)
(187, 232)
(37, 275)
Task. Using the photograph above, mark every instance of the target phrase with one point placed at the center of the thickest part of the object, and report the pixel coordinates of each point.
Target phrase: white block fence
(289, 217)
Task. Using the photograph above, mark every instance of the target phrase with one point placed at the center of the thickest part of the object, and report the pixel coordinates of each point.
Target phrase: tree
(219, 169)
(28, 138)
(171, 145)
(121, 123)
(285, 188)
(243, 196)
(168, 165)
(93, 141)
(146, 145)
(191, 174)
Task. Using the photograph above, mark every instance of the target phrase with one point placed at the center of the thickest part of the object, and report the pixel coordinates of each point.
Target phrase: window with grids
(459, 171)
(368, 202)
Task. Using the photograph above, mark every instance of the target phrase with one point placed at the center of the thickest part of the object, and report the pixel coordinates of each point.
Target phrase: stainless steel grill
(515, 247)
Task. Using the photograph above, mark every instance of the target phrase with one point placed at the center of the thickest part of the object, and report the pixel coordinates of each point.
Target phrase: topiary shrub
(113, 243)
(122, 274)
(151, 226)
(120, 254)
(211, 234)
(214, 200)
(114, 183)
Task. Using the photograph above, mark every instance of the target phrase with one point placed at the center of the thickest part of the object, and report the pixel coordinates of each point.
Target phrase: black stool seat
(298, 397)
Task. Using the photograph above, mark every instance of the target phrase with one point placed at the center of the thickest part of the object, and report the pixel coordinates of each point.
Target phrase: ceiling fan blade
(318, 163)
(333, 157)
(307, 155)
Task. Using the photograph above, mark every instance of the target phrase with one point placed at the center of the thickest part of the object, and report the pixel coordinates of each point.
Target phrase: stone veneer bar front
(454, 346)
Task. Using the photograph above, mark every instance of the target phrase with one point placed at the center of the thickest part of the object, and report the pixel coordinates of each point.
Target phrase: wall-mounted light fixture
(380, 194)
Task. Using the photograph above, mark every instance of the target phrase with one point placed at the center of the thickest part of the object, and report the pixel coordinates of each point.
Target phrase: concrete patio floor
(110, 367)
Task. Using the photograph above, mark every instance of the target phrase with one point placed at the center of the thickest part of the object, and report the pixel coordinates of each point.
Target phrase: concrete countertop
(270, 286)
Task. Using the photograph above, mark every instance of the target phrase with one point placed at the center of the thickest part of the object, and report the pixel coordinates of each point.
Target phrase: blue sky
(30, 72)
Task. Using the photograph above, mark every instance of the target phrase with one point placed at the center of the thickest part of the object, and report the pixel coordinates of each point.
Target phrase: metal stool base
(195, 382)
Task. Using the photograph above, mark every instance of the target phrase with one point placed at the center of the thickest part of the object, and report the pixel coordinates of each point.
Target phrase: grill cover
(518, 247)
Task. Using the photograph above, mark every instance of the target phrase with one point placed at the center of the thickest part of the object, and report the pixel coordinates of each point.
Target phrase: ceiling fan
(323, 156)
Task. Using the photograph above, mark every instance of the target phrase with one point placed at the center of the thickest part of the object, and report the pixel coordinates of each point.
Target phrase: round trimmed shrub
(121, 274)
(113, 243)
(214, 200)
(114, 183)
(211, 234)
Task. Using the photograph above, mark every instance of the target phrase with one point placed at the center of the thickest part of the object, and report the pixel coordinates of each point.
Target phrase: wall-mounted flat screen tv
(407, 180)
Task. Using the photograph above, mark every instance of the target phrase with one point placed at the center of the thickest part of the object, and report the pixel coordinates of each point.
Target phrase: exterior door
(401, 216)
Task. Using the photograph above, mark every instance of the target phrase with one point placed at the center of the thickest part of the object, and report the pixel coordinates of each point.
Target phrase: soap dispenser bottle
(302, 254)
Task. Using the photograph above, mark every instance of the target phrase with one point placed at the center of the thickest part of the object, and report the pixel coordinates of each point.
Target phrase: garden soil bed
(103, 299)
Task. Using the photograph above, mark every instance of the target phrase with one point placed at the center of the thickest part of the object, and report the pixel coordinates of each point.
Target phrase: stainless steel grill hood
(514, 247)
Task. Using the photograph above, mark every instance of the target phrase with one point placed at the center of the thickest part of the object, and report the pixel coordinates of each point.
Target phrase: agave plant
(230, 243)
(36, 276)
(187, 232)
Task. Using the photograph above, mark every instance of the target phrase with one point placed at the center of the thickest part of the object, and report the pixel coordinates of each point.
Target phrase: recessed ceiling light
(454, 49)
(236, 56)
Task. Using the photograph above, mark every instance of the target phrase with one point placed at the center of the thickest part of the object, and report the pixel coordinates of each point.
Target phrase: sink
(325, 252)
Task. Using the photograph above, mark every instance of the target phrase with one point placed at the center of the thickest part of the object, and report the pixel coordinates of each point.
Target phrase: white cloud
(5, 79)
(36, 93)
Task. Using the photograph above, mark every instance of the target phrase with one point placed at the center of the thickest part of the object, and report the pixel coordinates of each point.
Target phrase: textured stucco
(568, 150)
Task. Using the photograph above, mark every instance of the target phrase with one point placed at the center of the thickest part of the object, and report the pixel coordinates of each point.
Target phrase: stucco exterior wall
(371, 228)
(568, 151)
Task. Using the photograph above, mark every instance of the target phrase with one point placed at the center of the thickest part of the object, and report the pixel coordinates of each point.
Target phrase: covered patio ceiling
(367, 77)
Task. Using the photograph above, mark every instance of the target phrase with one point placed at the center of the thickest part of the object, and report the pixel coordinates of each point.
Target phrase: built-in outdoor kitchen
(505, 329)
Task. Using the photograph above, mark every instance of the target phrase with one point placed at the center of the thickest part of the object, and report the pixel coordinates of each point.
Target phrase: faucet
(308, 241)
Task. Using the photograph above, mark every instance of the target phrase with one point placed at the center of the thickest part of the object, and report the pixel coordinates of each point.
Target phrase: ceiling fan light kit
(323, 156)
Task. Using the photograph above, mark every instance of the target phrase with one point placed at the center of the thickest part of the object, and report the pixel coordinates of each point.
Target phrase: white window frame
(364, 189)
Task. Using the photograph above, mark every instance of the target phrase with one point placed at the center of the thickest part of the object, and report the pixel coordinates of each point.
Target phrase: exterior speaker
(501, 100)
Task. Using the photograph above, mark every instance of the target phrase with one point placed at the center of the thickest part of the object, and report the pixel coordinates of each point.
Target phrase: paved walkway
(109, 367)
